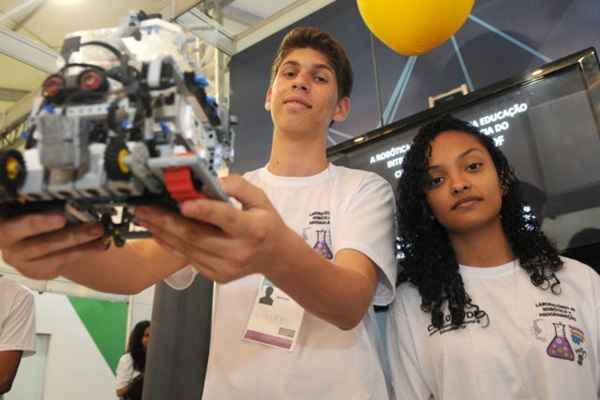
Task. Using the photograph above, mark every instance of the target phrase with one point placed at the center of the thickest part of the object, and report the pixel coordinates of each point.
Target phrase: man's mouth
(297, 101)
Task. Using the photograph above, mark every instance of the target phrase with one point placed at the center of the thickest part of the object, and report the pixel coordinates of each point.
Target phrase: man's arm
(339, 292)
(225, 244)
(9, 364)
(41, 246)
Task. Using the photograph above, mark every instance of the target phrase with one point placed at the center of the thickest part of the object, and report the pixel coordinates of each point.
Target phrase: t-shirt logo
(473, 315)
(556, 324)
(318, 233)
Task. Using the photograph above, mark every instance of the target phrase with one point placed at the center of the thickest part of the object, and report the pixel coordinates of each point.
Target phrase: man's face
(464, 191)
(304, 95)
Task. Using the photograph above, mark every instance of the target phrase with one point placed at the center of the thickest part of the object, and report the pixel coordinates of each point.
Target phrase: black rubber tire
(113, 164)
(13, 171)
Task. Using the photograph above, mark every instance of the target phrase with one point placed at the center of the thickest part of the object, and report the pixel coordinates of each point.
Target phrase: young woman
(486, 308)
(130, 371)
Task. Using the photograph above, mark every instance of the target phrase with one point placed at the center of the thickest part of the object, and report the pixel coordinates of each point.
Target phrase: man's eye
(321, 79)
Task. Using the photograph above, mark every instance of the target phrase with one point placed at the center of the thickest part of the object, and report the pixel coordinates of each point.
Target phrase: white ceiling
(44, 23)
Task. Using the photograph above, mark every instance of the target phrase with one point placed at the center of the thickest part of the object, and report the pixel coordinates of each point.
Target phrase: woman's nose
(459, 185)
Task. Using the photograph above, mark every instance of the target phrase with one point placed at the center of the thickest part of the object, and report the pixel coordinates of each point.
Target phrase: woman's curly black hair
(427, 259)
(135, 346)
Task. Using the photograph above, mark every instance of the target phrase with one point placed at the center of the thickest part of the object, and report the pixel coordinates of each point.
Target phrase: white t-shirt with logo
(531, 343)
(17, 318)
(339, 208)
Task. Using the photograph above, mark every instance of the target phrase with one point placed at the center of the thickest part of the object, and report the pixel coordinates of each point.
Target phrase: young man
(17, 330)
(323, 345)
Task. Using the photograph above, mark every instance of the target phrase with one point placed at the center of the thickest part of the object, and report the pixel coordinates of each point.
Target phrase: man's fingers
(16, 229)
(249, 195)
(194, 233)
(51, 266)
(216, 213)
(46, 244)
(186, 243)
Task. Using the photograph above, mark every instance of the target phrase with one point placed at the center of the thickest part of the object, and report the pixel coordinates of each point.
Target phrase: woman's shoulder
(126, 360)
(572, 266)
(578, 275)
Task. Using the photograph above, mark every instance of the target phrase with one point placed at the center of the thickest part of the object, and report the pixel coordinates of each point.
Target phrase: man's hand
(41, 245)
(222, 242)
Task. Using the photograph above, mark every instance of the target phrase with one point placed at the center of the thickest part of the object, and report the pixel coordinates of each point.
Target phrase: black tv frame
(586, 60)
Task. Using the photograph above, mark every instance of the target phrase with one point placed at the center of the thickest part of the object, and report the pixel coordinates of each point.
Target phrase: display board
(545, 121)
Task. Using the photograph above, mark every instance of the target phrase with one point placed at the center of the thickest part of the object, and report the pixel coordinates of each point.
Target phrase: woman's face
(146, 338)
(463, 190)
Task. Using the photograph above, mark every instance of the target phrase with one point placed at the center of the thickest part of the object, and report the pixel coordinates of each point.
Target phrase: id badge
(276, 318)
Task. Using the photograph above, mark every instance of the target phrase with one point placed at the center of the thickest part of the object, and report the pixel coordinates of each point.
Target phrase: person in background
(17, 330)
(486, 307)
(130, 370)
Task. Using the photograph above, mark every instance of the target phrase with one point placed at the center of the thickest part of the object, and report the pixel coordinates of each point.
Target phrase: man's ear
(268, 100)
(342, 109)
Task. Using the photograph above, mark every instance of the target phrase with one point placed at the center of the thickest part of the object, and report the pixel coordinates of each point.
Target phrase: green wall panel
(106, 323)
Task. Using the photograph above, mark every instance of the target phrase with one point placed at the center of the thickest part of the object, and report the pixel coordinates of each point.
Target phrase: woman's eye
(435, 182)
(289, 74)
(320, 79)
(474, 166)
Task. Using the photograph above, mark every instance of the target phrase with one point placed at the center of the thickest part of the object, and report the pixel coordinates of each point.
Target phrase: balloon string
(376, 76)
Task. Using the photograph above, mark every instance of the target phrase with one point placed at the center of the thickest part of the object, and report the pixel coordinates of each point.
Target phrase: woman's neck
(484, 247)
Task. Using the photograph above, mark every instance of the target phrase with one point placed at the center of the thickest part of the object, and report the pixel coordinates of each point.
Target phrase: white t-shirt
(537, 345)
(125, 371)
(350, 209)
(17, 318)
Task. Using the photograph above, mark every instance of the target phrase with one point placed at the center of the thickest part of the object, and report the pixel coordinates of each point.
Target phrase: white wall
(74, 367)
(140, 308)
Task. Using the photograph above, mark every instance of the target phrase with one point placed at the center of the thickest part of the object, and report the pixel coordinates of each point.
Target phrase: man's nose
(301, 82)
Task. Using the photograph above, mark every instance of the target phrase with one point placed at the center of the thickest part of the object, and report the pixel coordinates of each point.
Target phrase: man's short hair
(314, 38)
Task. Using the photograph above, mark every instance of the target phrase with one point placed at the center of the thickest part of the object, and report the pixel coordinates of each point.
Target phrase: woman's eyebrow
(461, 155)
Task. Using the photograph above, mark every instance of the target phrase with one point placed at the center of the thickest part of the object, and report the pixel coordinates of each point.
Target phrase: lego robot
(125, 121)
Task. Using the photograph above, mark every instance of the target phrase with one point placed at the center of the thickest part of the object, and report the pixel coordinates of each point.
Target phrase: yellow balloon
(412, 27)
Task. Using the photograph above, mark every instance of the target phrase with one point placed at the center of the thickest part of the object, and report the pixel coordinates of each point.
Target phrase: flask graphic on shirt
(321, 245)
(559, 347)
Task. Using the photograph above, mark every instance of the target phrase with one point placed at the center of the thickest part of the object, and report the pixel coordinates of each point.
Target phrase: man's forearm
(126, 270)
(339, 294)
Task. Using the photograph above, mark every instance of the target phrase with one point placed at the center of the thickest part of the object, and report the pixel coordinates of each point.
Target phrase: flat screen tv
(546, 121)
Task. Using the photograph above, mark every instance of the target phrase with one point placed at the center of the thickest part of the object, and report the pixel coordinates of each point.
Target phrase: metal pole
(376, 76)
(180, 340)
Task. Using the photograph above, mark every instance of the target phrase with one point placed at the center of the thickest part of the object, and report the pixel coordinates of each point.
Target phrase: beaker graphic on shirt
(321, 245)
(559, 347)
